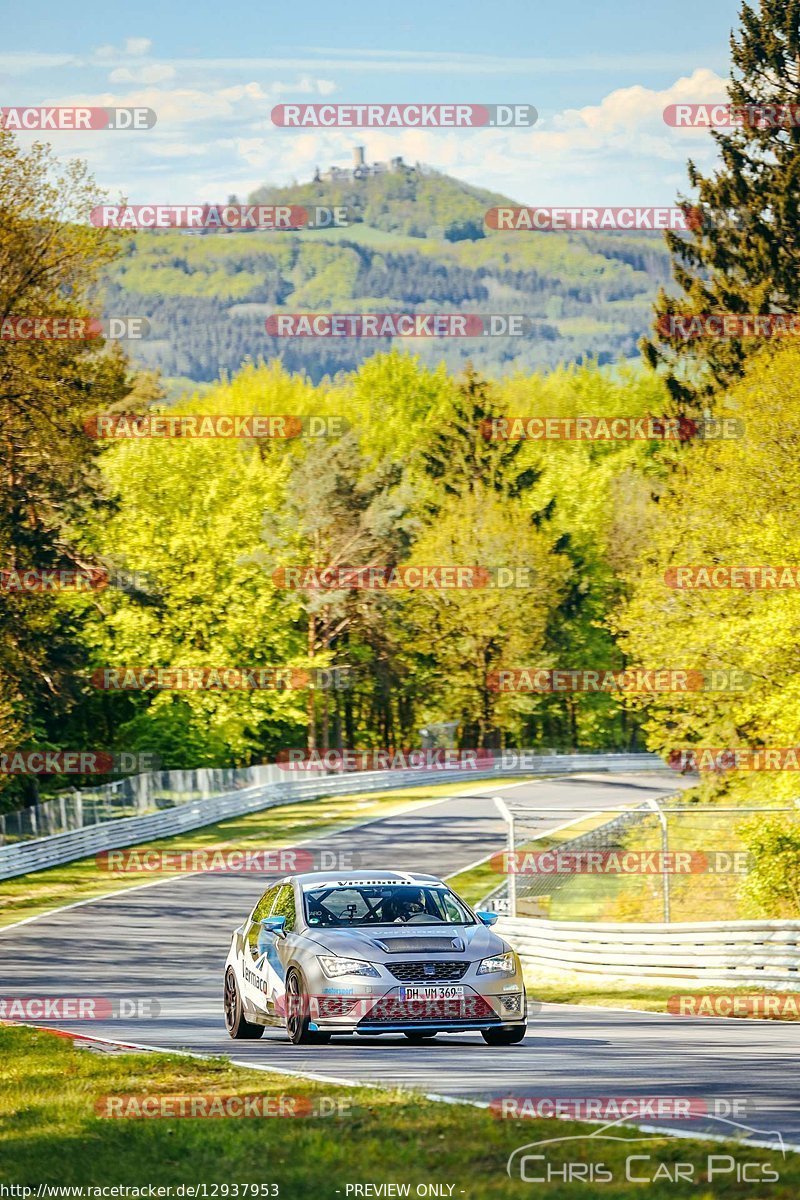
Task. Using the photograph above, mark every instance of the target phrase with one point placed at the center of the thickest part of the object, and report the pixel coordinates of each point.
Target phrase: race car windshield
(384, 904)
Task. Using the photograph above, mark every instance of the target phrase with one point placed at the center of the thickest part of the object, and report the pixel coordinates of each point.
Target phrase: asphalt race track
(167, 942)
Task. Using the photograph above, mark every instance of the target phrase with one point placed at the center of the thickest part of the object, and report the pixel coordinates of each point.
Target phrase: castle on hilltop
(364, 170)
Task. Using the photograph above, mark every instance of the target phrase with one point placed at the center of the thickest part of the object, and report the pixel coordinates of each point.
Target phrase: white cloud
(154, 73)
(619, 151)
(248, 104)
(632, 108)
(214, 140)
(137, 45)
(305, 86)
(253, 151)
(434, 62)
(21, 62)
(134, 47)
(175, 150)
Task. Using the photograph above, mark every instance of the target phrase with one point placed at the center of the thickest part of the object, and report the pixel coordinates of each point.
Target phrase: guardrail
(764, 954)
(37, 854)
(131, 796)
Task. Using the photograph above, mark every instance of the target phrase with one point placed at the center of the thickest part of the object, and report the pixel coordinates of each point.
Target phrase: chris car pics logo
(579, 1158)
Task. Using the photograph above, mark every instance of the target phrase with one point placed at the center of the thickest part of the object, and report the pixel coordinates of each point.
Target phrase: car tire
(415, 1035)
(297, 1014)
(510, 1036)
(236, 1023)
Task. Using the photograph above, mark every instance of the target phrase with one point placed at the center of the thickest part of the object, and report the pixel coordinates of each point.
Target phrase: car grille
(427, 972)
(391, 1011)
(336, 1006)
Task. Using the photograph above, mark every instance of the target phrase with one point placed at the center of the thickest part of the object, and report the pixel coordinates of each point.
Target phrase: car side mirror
(488, 918)
(274, 925)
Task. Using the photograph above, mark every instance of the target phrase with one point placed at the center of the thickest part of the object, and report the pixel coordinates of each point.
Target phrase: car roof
(343, 878)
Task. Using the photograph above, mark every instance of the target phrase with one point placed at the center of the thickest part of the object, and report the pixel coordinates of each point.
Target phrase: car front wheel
(236, 1023)
(504, 1037)
(297, 1014)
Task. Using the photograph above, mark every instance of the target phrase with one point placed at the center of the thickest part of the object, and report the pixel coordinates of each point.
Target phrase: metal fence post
(508, 817)
(664, 855)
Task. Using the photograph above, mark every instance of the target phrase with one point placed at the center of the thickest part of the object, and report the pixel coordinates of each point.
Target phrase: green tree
(340, 513)
(743, 254)
(478, 505)
(732, 502)
(192, 522)
(461, 635)
(52, 494)
(772, 885)
(591, 492)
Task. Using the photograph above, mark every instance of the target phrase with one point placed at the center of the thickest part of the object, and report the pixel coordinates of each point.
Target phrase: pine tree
(743, 253)
(463, 456)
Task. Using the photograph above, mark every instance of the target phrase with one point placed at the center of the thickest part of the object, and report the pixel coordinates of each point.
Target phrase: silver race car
(371, 952)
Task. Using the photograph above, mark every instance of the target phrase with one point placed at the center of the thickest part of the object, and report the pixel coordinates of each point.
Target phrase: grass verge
(567, 988)
(52, 1095)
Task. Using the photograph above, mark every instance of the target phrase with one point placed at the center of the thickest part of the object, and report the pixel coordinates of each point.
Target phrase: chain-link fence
(135, 796)
(660, 861)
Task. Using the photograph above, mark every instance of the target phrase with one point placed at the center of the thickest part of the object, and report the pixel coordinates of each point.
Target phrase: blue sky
(599, 75)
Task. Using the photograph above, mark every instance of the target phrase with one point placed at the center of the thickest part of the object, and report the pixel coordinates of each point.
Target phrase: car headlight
(333, 966)
(501, 964)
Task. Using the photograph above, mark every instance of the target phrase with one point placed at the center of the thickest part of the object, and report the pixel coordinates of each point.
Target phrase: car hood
(387, 943)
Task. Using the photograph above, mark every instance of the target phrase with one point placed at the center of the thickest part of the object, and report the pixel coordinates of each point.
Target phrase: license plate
(439, 992)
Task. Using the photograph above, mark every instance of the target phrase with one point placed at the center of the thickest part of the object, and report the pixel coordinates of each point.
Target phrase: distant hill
(414, 201)
(417, 242)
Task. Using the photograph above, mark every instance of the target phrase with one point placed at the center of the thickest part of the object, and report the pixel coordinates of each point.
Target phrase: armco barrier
(764, 954)
(38, 853)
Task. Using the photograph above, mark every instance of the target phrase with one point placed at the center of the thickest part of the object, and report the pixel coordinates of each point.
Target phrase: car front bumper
(385, 1010)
